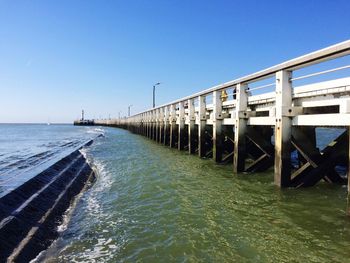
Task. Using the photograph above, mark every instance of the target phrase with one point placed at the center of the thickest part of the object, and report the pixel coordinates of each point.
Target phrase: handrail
(328, 53)
(321, 73)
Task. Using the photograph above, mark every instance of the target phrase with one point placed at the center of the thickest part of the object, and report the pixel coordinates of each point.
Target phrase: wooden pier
(240, 122)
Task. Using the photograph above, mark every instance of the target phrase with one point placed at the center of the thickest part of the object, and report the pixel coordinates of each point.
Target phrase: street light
(154, 94)
(129, 110)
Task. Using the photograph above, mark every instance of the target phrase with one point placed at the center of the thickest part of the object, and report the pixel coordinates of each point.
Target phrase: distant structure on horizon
(83, 122)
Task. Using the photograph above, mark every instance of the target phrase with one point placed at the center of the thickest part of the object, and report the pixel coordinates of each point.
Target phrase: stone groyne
(31, 213)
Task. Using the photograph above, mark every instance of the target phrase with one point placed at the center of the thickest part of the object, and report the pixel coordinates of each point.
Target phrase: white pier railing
(230, 117)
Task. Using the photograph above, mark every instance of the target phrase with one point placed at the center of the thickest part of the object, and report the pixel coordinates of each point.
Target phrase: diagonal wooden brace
(264, 158)
(318, 165)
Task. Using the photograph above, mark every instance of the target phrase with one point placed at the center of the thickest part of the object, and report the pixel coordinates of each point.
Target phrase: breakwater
(30, 214)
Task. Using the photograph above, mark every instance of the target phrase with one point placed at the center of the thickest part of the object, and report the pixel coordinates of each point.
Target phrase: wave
(19, 167)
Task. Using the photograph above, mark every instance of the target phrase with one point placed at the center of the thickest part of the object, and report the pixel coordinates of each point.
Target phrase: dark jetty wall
(30, 214)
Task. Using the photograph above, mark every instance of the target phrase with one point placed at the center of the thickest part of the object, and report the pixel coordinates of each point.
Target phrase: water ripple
(148, 206)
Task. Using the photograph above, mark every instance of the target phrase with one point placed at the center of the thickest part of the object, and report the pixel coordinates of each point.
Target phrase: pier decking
(237, 121)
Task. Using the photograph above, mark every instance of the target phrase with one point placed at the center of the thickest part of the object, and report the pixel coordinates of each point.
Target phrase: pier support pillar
(150, 126)
(217, 127)
(239, 154)
(161, 124)
(283, 128)
(181, 132)
(147, 127)
(166, 126)
(142, 125)
(348, 171)
(152, 129)
(153, 134)
(201, 127)
(156, 125)
(191, 127)
(172, 126)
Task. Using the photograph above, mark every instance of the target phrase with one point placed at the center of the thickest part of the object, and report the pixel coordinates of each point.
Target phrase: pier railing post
(181, 133)
(283, 128)
(240, 128)
(172, 126)
(201, 127)
(217, 126)
(191, 126)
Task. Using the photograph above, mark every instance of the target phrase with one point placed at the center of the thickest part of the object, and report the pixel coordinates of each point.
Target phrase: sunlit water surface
(155, 204)
(27, 149)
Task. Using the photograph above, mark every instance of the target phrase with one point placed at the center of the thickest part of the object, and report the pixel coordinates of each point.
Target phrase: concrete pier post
(153, 119)
(217, 127)
(172, 126)
(191, 126)
(181, 132)
(150, 125)
(161, 124)
(283, 128)
(348, 173)
(143, 125)
(201, 127)
(240, 128)
(139, 125)
(147, 125)
(156, 125)
(166, 126)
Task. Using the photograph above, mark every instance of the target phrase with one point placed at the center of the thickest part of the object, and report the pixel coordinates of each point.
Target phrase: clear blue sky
(58, 57)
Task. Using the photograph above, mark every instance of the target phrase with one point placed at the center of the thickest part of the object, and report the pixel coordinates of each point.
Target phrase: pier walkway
(261, 120)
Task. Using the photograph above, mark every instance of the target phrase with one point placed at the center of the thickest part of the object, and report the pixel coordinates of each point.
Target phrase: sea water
(155, 204)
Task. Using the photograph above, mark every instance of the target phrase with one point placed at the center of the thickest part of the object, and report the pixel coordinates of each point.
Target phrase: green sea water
(155, 204)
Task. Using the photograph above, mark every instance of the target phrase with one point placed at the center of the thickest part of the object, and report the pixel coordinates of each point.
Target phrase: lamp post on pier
(129, 110)
(154, 94)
